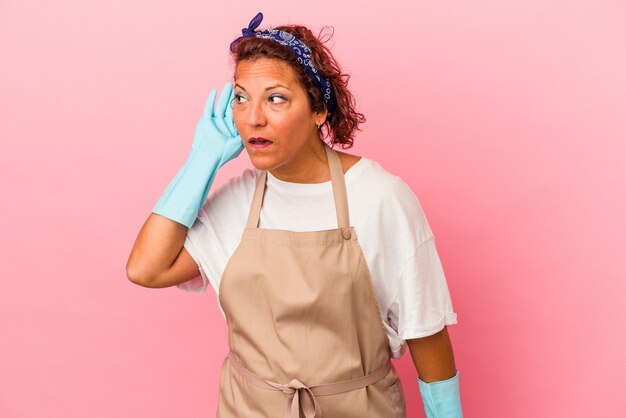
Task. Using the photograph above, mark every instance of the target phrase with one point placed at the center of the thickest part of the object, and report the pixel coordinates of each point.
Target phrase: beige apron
(305, 332)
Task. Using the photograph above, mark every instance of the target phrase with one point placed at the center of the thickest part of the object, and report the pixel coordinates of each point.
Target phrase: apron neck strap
(339, 192)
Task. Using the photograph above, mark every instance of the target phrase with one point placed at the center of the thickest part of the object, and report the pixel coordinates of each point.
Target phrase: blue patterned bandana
(299, 48)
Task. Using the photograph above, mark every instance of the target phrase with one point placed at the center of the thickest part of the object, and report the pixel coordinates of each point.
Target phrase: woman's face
(270, 103)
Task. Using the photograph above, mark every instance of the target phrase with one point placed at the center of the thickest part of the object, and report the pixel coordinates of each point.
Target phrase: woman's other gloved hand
(441, 398)
(216, 141)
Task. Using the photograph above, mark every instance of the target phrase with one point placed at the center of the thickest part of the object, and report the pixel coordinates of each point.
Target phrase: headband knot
(254, 23)
(247, 32)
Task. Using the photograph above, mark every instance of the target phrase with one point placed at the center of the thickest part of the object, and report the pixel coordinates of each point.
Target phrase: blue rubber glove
(441, 398)
(216, 141)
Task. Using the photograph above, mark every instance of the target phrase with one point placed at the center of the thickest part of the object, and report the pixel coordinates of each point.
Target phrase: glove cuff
(186, 193)
(441, 398)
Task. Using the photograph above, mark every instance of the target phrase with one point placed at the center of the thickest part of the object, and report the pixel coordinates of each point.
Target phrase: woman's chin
(262, 162)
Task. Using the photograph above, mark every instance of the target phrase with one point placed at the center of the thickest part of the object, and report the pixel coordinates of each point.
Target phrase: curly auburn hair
(345, 120)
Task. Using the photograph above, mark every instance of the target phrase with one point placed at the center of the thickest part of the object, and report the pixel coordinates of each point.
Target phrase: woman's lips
(259, 142)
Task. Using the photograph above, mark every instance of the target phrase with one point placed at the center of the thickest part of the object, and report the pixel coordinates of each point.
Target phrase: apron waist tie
(305, 400)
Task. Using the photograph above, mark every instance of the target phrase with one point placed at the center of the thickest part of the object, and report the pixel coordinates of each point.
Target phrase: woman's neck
(310, 166)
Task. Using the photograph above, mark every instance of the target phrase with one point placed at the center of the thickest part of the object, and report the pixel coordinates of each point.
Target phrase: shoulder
(378, 180)
(392, 202)
(236, 186)
(348, 160)
(232, 197)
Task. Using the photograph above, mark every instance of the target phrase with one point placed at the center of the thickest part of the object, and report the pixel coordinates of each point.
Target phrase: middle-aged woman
(314, 313)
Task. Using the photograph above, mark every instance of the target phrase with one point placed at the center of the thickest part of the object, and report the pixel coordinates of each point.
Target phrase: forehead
(264, 70)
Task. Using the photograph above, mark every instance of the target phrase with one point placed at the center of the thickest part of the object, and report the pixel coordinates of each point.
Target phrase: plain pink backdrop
(507, 119)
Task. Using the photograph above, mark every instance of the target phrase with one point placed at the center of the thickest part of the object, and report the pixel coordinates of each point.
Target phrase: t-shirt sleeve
(422, 305)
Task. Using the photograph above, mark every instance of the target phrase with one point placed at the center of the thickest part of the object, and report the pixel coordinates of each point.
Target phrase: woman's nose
(256, 115)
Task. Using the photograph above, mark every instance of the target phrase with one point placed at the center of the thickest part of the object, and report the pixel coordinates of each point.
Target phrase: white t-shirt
(391, 227)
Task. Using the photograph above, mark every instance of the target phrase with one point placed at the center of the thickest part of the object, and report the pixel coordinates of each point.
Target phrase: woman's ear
(320, 117)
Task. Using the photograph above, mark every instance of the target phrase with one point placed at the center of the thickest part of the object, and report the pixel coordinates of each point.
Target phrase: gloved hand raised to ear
(216, 141)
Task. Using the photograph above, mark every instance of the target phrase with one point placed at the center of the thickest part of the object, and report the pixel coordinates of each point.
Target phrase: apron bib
(305, 333)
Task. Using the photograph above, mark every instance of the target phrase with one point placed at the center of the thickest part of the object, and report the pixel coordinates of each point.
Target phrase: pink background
(507, 119)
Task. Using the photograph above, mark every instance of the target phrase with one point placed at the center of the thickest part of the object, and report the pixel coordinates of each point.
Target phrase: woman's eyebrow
(266, 88)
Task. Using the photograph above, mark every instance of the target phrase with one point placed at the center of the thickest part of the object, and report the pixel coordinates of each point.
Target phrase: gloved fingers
(222, 103)
(208, 106)
(219, 119)
(222, 126)
(230, 120)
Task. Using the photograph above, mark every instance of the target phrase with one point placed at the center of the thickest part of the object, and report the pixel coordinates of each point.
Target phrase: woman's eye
(277, 97)
(239, 98)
